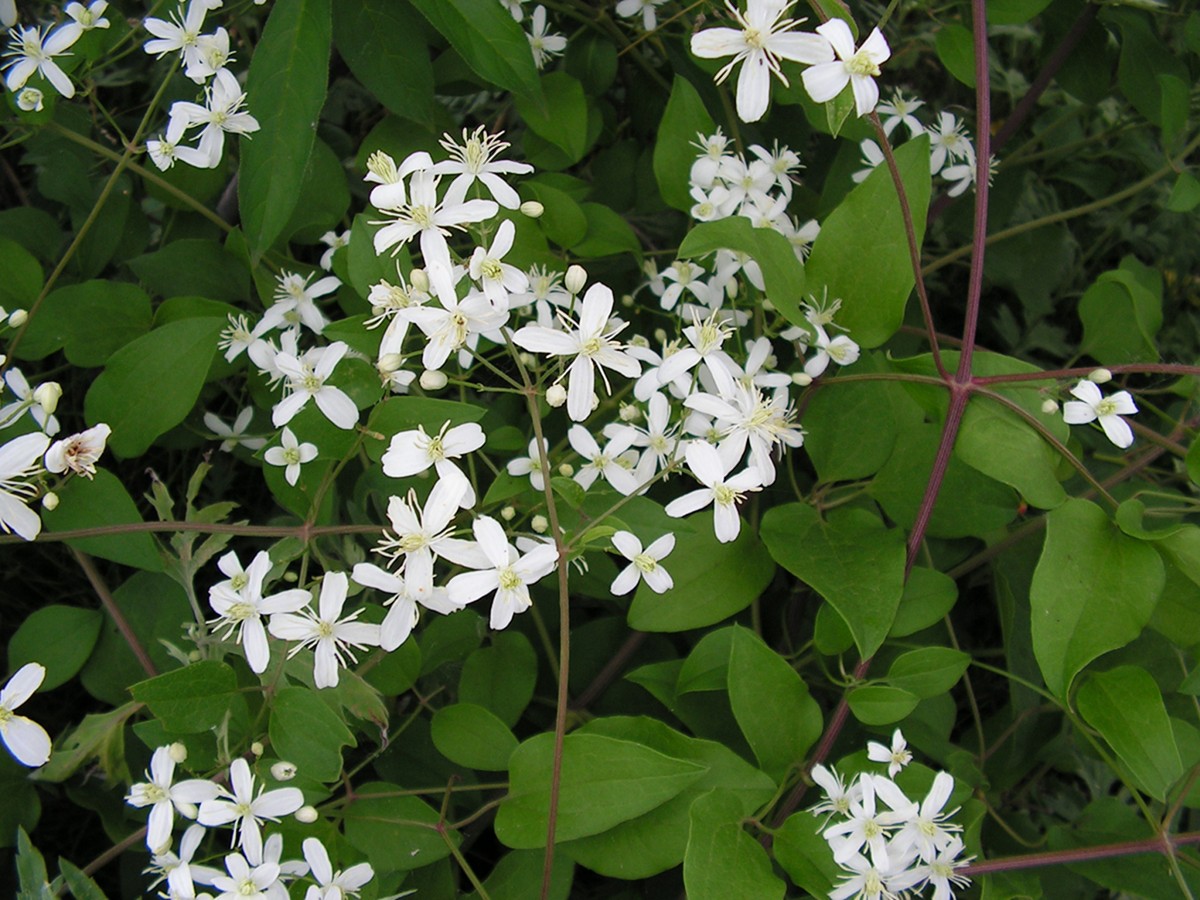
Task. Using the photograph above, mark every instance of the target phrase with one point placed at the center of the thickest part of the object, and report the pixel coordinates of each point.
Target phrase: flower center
(247, 888)
(491, 269)
(509, 580)
(645, 562)
(754, 39)
(725, 495)
(474, 155)
(862, 64)
(291, 456)
(435, 450)
(241, 611)
(312, 382)
(383, 167)
(410, 543)
(324, 630)
(422, 216)
(1106, 407)
(591, 346)
(154, 793)
(239, 581)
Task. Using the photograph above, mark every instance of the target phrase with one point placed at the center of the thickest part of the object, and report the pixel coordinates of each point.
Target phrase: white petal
(825, 81)
(626, 581)
(754, 87)
(1117, 430)
(26, 740)
(25, 681)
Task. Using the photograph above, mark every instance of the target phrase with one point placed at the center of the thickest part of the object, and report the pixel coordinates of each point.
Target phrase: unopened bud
(801, 379)
(575, 279)
(257, 748)
(291, 577)
(1100, 376)
(660, 335)
(433, 380)
(307, 815)
(419, 280)
(178, 753)
(47, 396)
(283, 771)
(17, 318)
(508, 513)
(50, 501)
(533, 209)
(629, 413)
(1049, 407)
(528, 360)
(194, 656)
(389, 362)
(566, 470)
(556, 395)
(627, 300)
(540, 524)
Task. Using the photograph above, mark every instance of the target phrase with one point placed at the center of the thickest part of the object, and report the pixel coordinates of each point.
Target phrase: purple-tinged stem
(1160, 844)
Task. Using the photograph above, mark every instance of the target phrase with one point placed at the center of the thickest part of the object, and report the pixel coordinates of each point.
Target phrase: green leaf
(608, 234)
(501, 677)
(723, 862)
(852, 560)
(189, 700)
(489, 41)
(379, 823)
(929, 671)
(684, 118)
(805, 855)
(1125, 705)
(379, 40)
(717, 581)
(82, 886)
(398, 414)
(22, 282)
(518, 876)
(561, 117)
(1004, 446)
(88, 321)
(604, 782)
(956, 49)
(861, 255)
(61, 638)
(193, 267)
(286, 90)
(656, 841)
(783, 274)
(562, 219)
(1093, 591)
(151, 384)
(880, 704)
(31, 871)
(771, 704)
(322, 199)
(470, 735)
(305, 731)
(99, 736)
(22, 807)
(928, 596)
(1121, 318)
(851, 428)
(1013, 12)
(103, 500)
(1185, 194)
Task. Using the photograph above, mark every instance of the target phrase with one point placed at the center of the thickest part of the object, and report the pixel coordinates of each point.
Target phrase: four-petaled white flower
(896, 756)
(221, 113)
(643, 564)
(33, 51)
(295, 302)
(332, 636)
(307, 377)
(234, 434)
(423, 535)
(722, 493)
(165, 798)
(1090, 406)
(333, 885)
(543, 44)
(245, 810)
(290, 453)
(412, 452)
(180, 35)
(20, 459)
(246, 882)
(857, 68)
(509, 574)
(475, 159)
(240, 605)
(24, 738)
(761, 39)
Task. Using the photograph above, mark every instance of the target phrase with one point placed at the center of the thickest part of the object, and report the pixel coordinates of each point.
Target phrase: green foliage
(61, 638)
(305, 731)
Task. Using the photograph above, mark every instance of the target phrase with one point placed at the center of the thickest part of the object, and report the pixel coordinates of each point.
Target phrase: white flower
(454, 322)
(84, 18)
(180, 35)
(212, 55)
(245, 882)
(19, 461)
(165, 150)
(514, 8)
(899, 110)
(643, 564)
(498, 279)
(543, 44)
(838, 796)
(295, 302)
(28, 399)
(402, 604)
(840, 349)
(307, 378)
(865, 825)
(826, 80)
(412, 452)
(31, 52)
(722, 493)
(165, 798)
(177, 869)
(604, 463)
(30, 99)
(246, 810)
(334, 242)
(1090, 406)
(221, 113)
(423, 535)
(8, 13)
(475, 159)
(331, 636)
(590, 342)
(240, 606)
(291, 453)
(897, 756)
(333, 885)
(758, 44)
(530, 465)
(927, 831)
(684, 275)
(509, 576)
(630, 8)
(949, 143)
(872, 156)
(235, 434)
(79, 452)
(25, 739)
(866, 880)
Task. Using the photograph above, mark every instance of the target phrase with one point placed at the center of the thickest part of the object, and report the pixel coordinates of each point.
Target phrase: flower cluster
(34, 51)
(889, 845)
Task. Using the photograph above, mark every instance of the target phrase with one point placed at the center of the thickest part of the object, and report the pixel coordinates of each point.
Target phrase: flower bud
(283, 771)
(801, 379)
(30, 100)
(419, 280)
(528, 360)
(533, 209)
(508, 513)
(660, 335)
(566, 470)
(1100, 376)
(556, 395)
(575, 279)
(307, 815)
(389, 362)
(257, 748)
(50, 501)
(627, 301)
(540, 524)
(194, 656)
(47, 396)
(433, 380)
(178, 753)
(17, 318)
(291, 577)
(629, 413)
(1049, 407)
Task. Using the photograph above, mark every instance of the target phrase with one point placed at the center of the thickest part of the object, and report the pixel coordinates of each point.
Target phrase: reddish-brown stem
(114, 611)
(1162, 843)
(610, 671)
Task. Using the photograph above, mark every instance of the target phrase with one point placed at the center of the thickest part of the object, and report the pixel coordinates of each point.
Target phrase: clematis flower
(857, 68)
(246, 810)
(290, 453)
(412, 452)
(648, 8)
(79, 452)
(723, 493)
(307, 377)
(1090, 406)
(643, 564)
(84, 18)
(295, 302)
(509, 574)
(33, 51)
(333, 885)
(897, 756)
(235, 434)
(475, 160)
(402, 604)
(496, 278)
(240, 606)
(25, 739)
(165, 798)
(761, 40)
(20, 460)
(221, 114)
(252, 882)
(544, 45)
(423, 535)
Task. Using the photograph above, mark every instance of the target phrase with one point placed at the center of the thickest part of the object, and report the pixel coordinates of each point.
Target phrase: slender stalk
(1157, 844)
(110, 606)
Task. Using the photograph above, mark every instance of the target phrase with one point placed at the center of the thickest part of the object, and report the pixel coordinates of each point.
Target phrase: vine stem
(1162, 843)
(110, 606)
